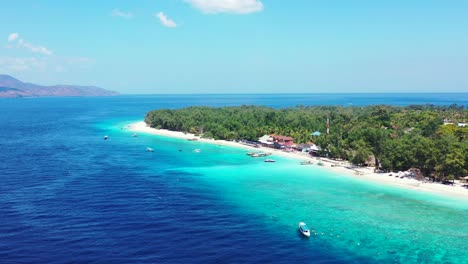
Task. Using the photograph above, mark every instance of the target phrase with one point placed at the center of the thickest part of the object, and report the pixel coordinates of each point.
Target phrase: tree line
(396, 138)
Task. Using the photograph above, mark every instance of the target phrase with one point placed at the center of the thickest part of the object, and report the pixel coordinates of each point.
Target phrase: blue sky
(239, 46)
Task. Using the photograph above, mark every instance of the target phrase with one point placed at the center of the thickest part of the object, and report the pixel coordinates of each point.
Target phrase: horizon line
(295, 93)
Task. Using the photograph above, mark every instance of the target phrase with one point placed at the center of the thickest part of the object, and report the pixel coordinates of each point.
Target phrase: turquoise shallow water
(349, 216)
(68, 196)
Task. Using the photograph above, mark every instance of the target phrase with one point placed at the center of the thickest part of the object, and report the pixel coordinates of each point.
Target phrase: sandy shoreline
(341, 167)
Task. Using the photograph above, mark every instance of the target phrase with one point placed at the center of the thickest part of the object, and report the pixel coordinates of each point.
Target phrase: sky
(238, 46)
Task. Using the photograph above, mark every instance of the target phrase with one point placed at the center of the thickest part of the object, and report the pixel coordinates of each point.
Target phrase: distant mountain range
(11, 87)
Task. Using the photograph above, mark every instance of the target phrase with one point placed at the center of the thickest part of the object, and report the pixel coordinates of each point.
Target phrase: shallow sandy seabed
(342, 167)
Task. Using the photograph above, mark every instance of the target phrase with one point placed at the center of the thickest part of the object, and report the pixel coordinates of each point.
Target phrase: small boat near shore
(304, 229)
(149, 149)
(307, 162)
(192, 139)
(258, 154)
(270, 160)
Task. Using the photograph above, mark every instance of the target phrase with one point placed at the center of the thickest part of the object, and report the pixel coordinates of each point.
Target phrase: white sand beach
(342, 167)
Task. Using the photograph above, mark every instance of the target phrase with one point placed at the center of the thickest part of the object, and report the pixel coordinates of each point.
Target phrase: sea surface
(68, 196)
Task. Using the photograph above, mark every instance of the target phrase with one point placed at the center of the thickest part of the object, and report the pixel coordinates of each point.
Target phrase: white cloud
(227, 6)
(81, 62)
(13, 37)
(117, 13)
(165, 20)
(34, 48)
(11, 64)
(43, 64)
(39, 63)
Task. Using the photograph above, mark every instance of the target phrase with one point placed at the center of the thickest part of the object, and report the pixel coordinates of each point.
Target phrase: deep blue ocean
(68, 196)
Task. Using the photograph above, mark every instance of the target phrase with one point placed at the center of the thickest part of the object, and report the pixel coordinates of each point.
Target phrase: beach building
(303, 147)
(276, 141)
(282, 141)
(266, 141)
(314, 149)
(308, 147)
(448, 122)
(316, 134)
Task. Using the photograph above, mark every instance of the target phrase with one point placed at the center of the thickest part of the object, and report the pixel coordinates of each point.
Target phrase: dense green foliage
(397, 138)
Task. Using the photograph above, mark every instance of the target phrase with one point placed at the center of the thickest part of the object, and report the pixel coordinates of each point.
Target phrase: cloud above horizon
(165, 20)
(37, 49)
(118, 13)
(8, 64)
(47, 63)
(43, 64)
(14, 37)
(227, 6)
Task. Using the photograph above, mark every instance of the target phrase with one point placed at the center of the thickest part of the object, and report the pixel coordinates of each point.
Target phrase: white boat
(197, 150)
(149, 149)
(270, 160)
(258, 154)
(135, 135)
(304, 229)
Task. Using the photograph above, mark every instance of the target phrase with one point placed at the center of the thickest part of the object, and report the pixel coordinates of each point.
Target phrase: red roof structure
(283, 140)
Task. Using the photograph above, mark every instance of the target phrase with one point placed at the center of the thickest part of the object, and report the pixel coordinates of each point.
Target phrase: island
(11, 87)
(426, 142)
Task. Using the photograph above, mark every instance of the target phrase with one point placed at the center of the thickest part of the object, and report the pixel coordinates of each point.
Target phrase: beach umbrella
(316, 133)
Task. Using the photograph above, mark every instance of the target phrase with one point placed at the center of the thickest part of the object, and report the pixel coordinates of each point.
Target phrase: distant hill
(11, 87)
